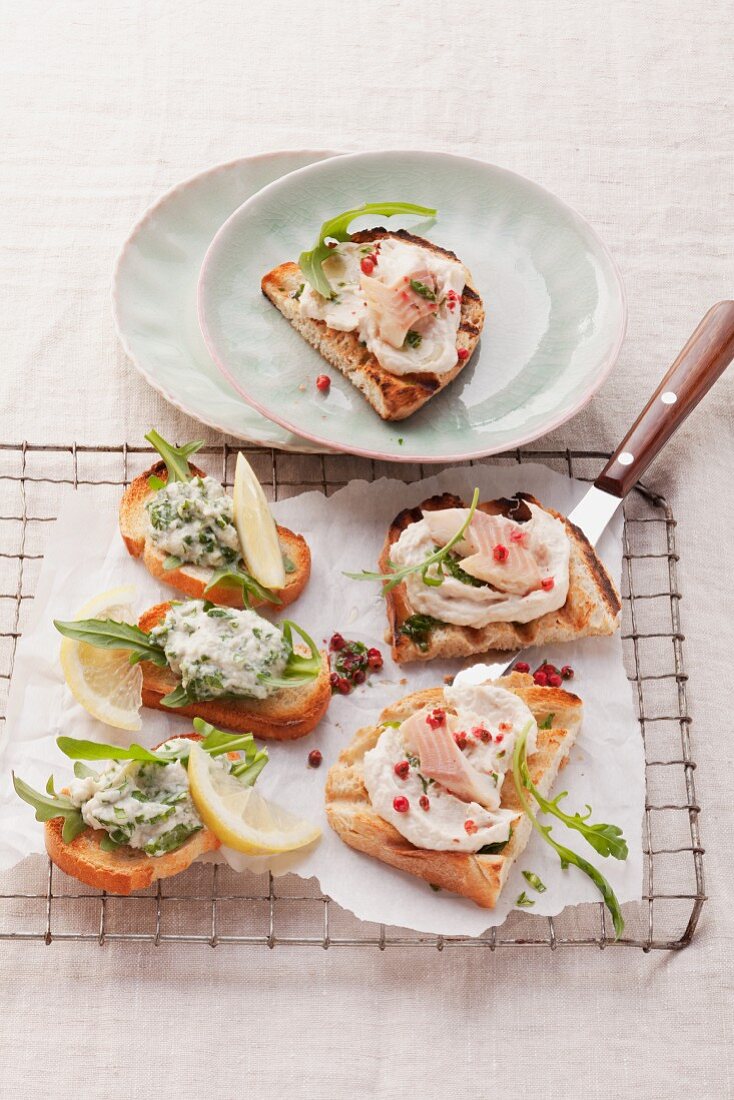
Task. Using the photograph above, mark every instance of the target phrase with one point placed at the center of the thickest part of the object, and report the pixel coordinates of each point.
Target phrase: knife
(705, 357)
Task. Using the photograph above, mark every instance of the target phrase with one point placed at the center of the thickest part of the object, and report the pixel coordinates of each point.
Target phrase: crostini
(447, 783)
(191, 534)
(502, 574)
(230, 667)
(399, 316)
(149, 813)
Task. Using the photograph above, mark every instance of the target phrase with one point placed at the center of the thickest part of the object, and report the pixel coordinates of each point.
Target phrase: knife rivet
(626, 459)
(669, 398)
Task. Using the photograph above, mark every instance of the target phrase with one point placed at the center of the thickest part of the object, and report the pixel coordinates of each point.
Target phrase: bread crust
(283, 716)
(126, 869)
(392, 396)
(592, 606)
(186, 579)
(478, 877)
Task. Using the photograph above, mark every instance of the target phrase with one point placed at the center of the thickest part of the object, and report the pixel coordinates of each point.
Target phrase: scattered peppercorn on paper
(345, 533)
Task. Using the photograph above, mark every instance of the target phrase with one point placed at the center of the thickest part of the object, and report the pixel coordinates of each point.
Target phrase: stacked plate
(191, 316)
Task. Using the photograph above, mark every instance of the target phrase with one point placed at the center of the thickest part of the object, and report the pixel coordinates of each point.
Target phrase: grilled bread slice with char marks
(592, 606)
(392, 396)
(478, 877)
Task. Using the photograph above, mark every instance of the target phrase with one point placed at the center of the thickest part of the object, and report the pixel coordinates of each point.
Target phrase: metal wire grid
(211, 904)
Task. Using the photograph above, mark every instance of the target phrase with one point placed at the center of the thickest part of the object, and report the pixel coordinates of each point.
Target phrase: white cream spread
(442, 825)
(219, 651)
(465, 604)
(431, 343)
(146, 806)
(193, 521)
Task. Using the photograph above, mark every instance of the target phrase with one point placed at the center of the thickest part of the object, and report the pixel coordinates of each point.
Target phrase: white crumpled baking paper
(85, 555)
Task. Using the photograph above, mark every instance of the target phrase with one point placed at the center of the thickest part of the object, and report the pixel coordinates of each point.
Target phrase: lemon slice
(256, 528)
(103, 680)
(239, 816)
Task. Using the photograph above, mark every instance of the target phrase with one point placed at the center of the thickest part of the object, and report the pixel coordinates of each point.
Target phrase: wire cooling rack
(211, 904)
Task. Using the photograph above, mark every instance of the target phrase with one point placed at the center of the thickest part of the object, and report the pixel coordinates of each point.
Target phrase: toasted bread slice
(479, 877)
(126, 869)
(283, 716)
(392, 396)
(592, 606)
(193, 579)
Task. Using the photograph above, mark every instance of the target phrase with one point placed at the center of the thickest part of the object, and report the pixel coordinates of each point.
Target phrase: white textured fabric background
(624, 111)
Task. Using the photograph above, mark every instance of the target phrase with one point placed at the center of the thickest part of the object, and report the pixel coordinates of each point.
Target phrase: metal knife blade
(703, 359)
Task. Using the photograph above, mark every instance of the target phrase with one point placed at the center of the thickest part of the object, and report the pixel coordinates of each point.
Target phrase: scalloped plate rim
(138, 227)
(596, 383)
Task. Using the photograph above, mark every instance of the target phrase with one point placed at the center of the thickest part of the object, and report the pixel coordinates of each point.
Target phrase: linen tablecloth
(624, 111)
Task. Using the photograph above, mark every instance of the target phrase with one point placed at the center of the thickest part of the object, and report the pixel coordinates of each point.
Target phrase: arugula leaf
(107, 844)
(337, 229)
(49, 806)
(607, 840)
(535, 881)
(93, 750)
(179, 697)
(524, 900)
(175, 458)
(494, 849)
(81, 771)
(299, 669)
(234, 578)
(391, 580)
(523, 785)
(155, 482)
(109, 634)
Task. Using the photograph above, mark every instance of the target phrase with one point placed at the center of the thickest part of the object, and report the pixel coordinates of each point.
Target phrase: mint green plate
(154, 295)
(553, 297)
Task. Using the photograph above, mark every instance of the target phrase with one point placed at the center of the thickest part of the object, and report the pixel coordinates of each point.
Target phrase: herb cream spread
(404, 301)
(192, 520)
(219, 651)
(526, 566)
(483, 722)
(146, 806)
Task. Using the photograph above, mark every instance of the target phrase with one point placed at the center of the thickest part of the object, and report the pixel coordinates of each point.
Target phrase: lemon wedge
(256, 528)
(102, 680)
(239, 816)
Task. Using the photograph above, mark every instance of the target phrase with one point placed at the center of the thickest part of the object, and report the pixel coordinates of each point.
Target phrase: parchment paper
(85, 555)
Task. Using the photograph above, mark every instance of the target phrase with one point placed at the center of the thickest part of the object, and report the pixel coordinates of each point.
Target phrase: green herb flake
(413, 339)
(523, 901)
(418, 628)
(547, 723)
(297, 293)
(534, 880)
(422, 290)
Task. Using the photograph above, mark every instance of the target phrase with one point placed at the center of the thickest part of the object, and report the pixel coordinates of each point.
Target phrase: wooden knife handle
(706, 356)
